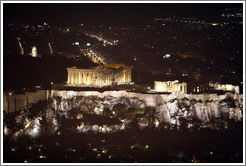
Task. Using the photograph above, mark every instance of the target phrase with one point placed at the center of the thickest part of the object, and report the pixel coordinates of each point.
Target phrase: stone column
(84, 79)
(127, 76)
(76, 77)
(130, 76)
(80, 79)
(96, 79)
(68, 78)
(109, 79)
(72, 78)
(92, 78)
(99, 80)
(185, 88)
(124, 78)
(106, 79)
(78, 74)
(103, 80)
(89, 78)
(174, 87)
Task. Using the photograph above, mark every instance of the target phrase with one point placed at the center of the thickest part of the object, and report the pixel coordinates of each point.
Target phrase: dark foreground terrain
(133, 145)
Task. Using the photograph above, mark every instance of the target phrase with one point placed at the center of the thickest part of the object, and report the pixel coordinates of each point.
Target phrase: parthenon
(99, 76)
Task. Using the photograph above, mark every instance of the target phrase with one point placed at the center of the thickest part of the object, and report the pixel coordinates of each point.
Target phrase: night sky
(74, 14)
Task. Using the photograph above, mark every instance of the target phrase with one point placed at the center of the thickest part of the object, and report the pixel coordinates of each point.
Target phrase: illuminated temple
(102, 75)
(170, 86)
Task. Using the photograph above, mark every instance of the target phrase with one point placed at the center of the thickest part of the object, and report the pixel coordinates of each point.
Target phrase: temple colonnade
(97, 77)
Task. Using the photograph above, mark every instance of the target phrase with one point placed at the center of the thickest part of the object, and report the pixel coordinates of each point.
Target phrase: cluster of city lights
(238, 15)
(105, 42)
(99, 151)
(101, 129)
(189, 21)
(182, 20)
(95, 57)
(20, 45)
(51, 50)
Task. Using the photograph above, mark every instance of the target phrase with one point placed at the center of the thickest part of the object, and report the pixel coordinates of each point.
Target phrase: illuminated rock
(6, 130)
(125, 106)
(164, 114)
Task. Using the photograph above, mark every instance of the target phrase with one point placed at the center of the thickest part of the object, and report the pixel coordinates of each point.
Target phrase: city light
(92, 55)
(105, 42)
(34, 51)
(50, 47)
(20, 45)
(166, 56)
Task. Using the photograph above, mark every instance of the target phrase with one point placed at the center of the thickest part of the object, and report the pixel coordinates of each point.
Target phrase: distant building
(199, 88)
(103, 75)
(170, 86)
(211, 87)
(225, 87)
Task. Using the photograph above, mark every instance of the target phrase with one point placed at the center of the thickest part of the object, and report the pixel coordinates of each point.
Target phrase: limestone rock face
(225, 106)
(174, 109)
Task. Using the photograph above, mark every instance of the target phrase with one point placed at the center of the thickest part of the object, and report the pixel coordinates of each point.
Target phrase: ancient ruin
(99, 76)
(170, 86)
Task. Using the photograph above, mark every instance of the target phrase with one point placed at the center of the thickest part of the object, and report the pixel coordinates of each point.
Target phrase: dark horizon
(115, 14)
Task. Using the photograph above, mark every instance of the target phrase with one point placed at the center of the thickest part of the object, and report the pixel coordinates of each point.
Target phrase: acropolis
(102, 75)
